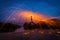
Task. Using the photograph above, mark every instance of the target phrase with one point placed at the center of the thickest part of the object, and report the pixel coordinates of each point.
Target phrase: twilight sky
(46, 7)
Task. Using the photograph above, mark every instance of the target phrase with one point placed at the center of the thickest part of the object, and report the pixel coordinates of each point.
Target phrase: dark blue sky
(47, 7)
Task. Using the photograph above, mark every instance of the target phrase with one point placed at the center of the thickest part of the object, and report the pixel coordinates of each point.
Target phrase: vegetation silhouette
(30, 25)
(8, 27)
(42, 25)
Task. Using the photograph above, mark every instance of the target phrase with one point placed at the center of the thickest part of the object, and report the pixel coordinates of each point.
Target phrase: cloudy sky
(46, 7)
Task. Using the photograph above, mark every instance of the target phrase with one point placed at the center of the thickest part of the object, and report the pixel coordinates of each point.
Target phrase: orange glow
(50, 22)
(33, 31)
(35, 16)
(26, 33)
(50, 32)
(58, 32)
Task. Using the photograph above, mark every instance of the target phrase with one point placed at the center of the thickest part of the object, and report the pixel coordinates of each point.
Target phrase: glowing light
(35, 16)
(25, 16)
(33, 31)
(50, 32)
(58, 32)
(50, 22)
(26, 33)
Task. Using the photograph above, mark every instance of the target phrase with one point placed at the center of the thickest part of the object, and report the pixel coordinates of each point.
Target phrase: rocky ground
(31, 35)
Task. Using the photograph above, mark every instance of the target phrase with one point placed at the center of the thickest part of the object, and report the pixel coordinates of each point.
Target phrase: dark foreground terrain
(44, 30)
(30, 35)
